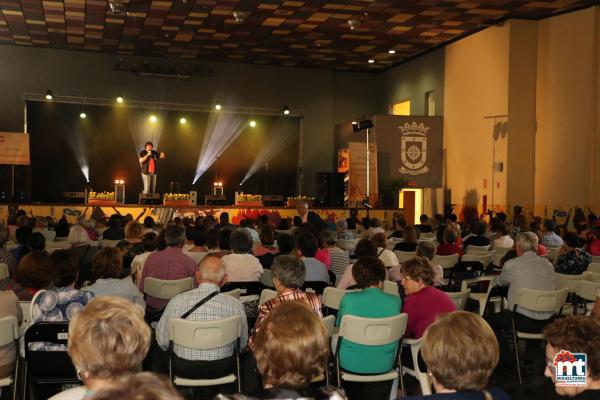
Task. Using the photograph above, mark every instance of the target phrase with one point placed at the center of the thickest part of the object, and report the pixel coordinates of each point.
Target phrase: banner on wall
(357, 172)
(14, 148)
(343, 161)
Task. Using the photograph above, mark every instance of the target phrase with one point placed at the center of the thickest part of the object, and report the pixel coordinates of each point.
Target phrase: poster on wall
(357, 173)
(416, 145)
(343, 160)
(14, 148)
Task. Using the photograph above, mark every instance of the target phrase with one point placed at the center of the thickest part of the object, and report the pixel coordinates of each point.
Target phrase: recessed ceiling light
(371, 61)
(392, 51)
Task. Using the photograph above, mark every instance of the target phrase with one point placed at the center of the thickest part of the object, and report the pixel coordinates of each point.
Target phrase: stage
(162, 213)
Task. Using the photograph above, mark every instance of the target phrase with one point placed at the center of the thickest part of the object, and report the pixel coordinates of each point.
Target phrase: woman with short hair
(423, 302)
(410, 235)
(461, 352)
(364, 248)
(107, 267)
(291, 350)
(448, 245)
(143, 385)
(31, 275)
(241, 266)
(572, 258)
(107, 339)
(388, 257)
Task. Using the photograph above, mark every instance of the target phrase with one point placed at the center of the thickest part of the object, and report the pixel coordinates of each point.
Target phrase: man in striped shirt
(288, 276)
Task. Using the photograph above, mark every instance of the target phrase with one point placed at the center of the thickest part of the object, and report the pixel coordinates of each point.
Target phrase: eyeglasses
(550, 365)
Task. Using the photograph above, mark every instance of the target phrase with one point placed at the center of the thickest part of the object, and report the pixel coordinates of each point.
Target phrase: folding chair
(9, 333)
(266, 295)
(331, 299)
(267, 278)
(485, 258)
(371, 332)
(246, 288)
(588, 292)
(500, 253)
(447, 262)
(482, 295)
(26, 309)
(47, 367)
(391, 288)
(347, 244)
(478, 249)
(108, 243)
(459, 298)
(164, 290)
(403, 256)
(205, 335)
(594, 267)
(422, 377)
(540, 301)
(315, 286)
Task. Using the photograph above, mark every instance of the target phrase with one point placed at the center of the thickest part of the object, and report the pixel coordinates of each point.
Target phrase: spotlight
(116, 181)
(371, 61)
(153, 119)
(83, 115)
(252, 124)
(49, 95)
(122, 182)
(217, 107)
(119, 182)
(120, 99)
(286, 110)
(182, 121)
(392, 51)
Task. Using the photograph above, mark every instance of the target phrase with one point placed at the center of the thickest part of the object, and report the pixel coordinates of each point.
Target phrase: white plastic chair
(370, 332)
(485, 258)
(446, 262)
(540, 301)
(108, 243)
(332, 297)
(500, 253)
(481, 298)
(553, 254)
(4, 271)
(596, 259)
(391, 288)
(267, 278)
(403, 256)
(478, 249)
(347, 244)
(167, 289)
(266, 295)
(459, 298)
(594, 267)
(205, 335)
(568, 281)
(235, 293)
(422, 377)
(9, 334)
(588, 291)
(26, 309)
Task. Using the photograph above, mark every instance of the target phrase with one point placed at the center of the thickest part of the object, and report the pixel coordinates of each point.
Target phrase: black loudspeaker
(149, 198)
(212, 200)
(330, 189)
(22, 182)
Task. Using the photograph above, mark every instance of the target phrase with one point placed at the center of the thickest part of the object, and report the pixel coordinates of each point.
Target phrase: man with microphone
(148, 159)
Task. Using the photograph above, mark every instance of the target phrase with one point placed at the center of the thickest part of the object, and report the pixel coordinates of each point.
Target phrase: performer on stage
(148, 159)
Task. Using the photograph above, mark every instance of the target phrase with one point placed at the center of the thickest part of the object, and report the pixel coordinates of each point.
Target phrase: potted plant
(248, 200)
(177, 200)
(101, 198)
(291, 201)
(389, 191)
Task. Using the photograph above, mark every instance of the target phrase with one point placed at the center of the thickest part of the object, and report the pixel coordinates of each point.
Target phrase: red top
(323, 256)
(423, 307)
(151, 166)
(594, 248)
(448, 249)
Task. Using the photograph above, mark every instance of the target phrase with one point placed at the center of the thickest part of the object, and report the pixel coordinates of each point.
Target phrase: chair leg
(516, 343)
(25, 383)
(15, 386)
(401, 377)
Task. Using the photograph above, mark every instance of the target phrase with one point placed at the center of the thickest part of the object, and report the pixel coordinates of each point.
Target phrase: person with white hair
(78, 233)
(342, 230)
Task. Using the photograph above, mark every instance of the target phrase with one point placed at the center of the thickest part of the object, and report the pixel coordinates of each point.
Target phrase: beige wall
(566, 162)
(476, 87)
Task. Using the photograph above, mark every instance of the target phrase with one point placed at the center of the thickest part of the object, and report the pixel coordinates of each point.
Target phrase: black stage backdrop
(109, 140)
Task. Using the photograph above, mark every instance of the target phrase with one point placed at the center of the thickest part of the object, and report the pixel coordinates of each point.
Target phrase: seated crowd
(124, 298)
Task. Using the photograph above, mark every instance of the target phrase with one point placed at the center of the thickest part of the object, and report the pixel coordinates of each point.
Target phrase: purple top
(423, 307)
(168, 264)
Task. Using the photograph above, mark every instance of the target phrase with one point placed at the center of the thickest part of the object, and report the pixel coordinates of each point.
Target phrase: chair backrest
(594, 267)
(108, 243)
(485, 258)
(459, 298)
(332, 297)
(542, 300)
(26, 309)
(478, 249)
(51, 332)
(166, 289)
(596, 259)
(204, 335)
(9, 330)
(588, 290)
(3, 271)
(593, 277)
(267, 278)
(314, 286)
(235, 293)
(553, 253)
(373, 331)
(568, 281)
(446, 262)
(391, 288)
(403, 256)
(329, 322)
(500, 253)
(266, 295)
(246, 288)
(347, 244)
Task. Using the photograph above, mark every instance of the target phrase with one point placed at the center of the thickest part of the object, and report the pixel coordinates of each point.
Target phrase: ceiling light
(182, 121)
(371, 61)
(240, 16)
(49, 95)
(392, 51)
(354, 24)
(286, 110)
(83, 115)
(120, 99)
(153, 118)
(217, 107)
(252, 123)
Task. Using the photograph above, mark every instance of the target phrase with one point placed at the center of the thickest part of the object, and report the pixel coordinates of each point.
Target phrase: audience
(339, 258)
(114, 231)
(306, 248)
(424, 227)
(364, 248)
(37, 242)
(572, 258)
(198, 251)
(343, 233)
(448, 246)
(149, 245)
(423, 302)
(291, 350)
(78, 233)
(410, 235)
(369, 273)
(266, 250)
(503, 238)
(461, 352)
(9, 307)
(427, 251)
(168, 264)
(107, 339)
(286, 244)
(575, 334)
(288, 278)
(149, 225)
(549, 236)
(478, 238)
(386, 256)
(41, 226)
(241, 266)
(32, 274)
(594, 246)
(61, 302)
(211, 276)
(22, 235)
(107, 267)
(6, 257)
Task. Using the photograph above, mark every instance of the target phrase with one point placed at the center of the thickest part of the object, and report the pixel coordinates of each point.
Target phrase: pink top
(448, 249)
(594, 248)
(323, 256)
(423, 307)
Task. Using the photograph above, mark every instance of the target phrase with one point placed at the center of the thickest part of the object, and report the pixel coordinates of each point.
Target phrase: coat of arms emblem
(413, 152)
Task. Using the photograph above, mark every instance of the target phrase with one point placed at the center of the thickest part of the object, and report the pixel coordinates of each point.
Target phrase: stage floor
(163, 213)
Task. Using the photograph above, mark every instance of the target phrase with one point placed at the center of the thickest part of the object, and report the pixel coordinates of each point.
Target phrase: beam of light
(77, 138)
(281, 134)
(142, 130)
(222, 130)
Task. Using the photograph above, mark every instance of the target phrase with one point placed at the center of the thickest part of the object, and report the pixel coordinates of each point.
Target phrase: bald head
(211, 270)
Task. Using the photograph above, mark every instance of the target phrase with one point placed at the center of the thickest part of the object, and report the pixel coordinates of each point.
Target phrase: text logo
(570, 368)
